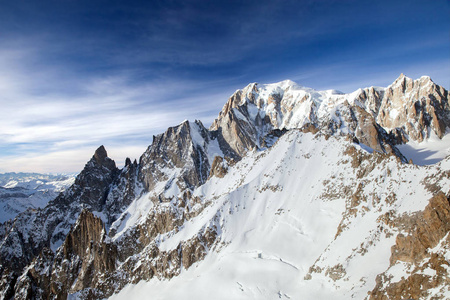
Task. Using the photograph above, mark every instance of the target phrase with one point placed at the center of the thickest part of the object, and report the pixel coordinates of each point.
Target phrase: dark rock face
(219, 167)
(7, 283)
(35, 282)
(125, 188)
(30, 232)
(176, 149)
(239, 135)
(360, 123)
(372, 99)
(84, 256)
(91, 185)
(237, 132)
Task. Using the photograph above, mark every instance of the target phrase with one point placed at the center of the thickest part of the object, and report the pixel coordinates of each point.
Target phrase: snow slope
(428, 152)
(285, 227)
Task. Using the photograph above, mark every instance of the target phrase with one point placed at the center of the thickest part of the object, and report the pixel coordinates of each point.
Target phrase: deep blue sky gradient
(147, 65)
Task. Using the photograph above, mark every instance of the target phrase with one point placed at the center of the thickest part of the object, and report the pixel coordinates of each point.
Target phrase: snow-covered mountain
(291, 193)
(313, 217)
(20, 191)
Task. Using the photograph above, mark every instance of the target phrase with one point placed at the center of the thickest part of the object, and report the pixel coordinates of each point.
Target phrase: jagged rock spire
(100, 154)
(102, 159)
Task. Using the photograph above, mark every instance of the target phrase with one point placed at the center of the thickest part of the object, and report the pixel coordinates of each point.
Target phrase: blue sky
(78, 74)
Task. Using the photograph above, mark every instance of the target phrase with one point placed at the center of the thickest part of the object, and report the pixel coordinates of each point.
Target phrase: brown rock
(218, 168)
(425, 231)
(85, 256)
(416, 106)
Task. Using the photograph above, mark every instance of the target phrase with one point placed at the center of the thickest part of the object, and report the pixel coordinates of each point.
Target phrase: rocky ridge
(109, 228)
(406, 110)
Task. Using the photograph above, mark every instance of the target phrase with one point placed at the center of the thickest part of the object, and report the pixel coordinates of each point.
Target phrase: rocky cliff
(25, 236)
(417, 107)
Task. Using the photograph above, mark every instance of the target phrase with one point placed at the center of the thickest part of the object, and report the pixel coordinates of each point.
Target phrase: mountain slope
(300, 220)
(291, 193)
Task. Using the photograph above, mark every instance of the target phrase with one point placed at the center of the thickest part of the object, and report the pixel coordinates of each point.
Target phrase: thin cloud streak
(106, 111)
(67, 161)
(80, 74)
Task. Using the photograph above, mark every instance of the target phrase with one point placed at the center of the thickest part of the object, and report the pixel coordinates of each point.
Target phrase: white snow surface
(428, 152)
(298, 106)
(277, 212)
(134, 214)
(210, 147)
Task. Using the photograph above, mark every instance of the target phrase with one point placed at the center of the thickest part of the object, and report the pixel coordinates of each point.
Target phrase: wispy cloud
(117, 74)
(39, 128)
(65, 161)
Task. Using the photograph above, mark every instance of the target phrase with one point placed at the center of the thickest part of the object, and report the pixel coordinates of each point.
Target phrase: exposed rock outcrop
(124, 190)
(92, 184)
(33, 230)
(417, 107)
(220, 166)
(428, 268)
(85, 256)
(176, 149)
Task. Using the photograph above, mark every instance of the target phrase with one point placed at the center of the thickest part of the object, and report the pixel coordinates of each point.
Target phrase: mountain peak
(287, 83)
(102, 159)
(283, 85)
(401, 79)
(100, 154)
(426, 77)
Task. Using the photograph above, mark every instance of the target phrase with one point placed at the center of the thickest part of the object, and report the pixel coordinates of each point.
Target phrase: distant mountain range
(292, 193)
(20, 191)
